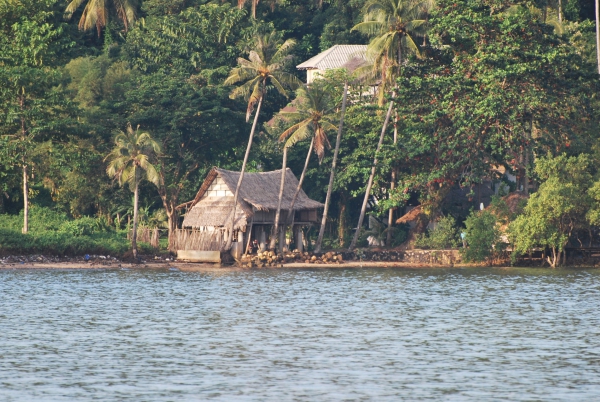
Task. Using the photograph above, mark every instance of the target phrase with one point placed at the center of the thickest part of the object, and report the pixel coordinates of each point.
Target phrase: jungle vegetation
(465, 90)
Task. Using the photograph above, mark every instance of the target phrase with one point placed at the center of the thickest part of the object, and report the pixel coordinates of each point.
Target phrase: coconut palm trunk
(241, 178)
(278, 212)
(291, 211)
(392, 186)
(598, 33)
(136, 201)
(24, 161)
(560, 18)
(25, 199)
(332, 174)
(363, 210)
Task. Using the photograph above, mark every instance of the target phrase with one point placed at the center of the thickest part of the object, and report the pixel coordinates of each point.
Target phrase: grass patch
(53, 233)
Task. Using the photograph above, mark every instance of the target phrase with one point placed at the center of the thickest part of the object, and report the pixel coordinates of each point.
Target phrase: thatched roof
(411, 215)
(215, 211)
(259, 191)
(514, 200)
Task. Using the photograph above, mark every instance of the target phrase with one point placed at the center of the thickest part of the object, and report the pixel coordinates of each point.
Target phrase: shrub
(81, 226)
(445, 235)
(482, 236)
(61, 243)
(40, 219)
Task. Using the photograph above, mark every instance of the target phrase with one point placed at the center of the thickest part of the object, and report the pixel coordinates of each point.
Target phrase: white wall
(311, 75)
(218, 188)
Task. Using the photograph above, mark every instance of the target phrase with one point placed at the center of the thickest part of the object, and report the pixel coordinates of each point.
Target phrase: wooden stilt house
(208, 215)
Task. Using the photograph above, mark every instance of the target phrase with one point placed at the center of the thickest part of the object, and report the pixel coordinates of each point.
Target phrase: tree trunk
(560, 18)
(555, 258)
(135, 216)
(332, 174)
(291, 211)
(598, 33)
(388, 241)
(342, 220)
(172, 220)
(25, 199)
(526, 173)
(363, 210)
(239, 183)
(278, 212)
(25, 182)
(545, 13)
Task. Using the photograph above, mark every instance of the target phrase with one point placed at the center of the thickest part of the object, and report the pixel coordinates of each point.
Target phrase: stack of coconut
(262, 260)
(380, 255)
(329, 257)
(272, 259)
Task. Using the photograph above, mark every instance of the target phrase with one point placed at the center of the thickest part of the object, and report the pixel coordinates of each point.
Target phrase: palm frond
(245, 89)
(300, 134)
(278, 86)
(283, 50)
(257, 93)
(72, 7)
(328, 126)
(321, 143)
(369, 27)
(254, 57)
(293, 128)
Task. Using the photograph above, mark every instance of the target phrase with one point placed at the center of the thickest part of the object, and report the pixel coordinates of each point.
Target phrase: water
(307, 335)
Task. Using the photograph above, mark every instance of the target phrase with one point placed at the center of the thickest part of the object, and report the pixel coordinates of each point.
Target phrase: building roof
(259, 191)
(216, 211)
(334, 57)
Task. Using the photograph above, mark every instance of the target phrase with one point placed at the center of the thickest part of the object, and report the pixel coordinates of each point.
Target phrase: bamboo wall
(147, 235)
(194, 239)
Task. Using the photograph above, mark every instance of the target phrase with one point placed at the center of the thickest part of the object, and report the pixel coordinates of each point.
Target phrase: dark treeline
(478, 87)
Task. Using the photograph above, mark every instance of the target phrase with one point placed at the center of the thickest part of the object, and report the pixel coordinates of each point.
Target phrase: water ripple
(456, 334)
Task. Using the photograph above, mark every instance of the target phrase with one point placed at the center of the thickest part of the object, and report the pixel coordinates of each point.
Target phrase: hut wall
(307, 216)
(198, 239)
(264, 216)
(218, 188)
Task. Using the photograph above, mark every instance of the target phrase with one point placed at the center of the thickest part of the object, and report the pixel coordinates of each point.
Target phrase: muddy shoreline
(187, 266)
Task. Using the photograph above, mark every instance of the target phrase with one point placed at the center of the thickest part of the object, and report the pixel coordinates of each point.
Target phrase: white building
(332, 58)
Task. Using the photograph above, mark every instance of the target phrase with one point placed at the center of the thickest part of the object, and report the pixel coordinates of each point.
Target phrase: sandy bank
(182, 266)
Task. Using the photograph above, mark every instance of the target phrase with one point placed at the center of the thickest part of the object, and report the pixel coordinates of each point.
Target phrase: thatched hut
(205, 224)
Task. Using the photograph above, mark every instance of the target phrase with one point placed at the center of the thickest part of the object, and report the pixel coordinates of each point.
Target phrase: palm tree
(129, 162)
(363, 209)
(241, 4)
(264, 65)
(95, 13)
(314, 111)
(333, 166)
(393, 23)
(598, 33)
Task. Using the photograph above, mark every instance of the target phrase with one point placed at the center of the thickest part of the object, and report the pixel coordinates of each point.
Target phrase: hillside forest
(109, 104)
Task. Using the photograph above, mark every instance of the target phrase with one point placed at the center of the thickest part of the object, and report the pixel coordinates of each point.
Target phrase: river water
(306, 335)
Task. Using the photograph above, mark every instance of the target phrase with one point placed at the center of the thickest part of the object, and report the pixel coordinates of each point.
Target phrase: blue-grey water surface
(306, 335)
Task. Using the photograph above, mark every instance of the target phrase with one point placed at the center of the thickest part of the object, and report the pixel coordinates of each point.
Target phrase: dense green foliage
(443, 235)
(482, 235)
(476, 84)
(53, 233)
(559, 208)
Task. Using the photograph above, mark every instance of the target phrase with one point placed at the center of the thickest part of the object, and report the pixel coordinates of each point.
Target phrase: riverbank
(187, 266)
(359, 259)
(169, 263)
